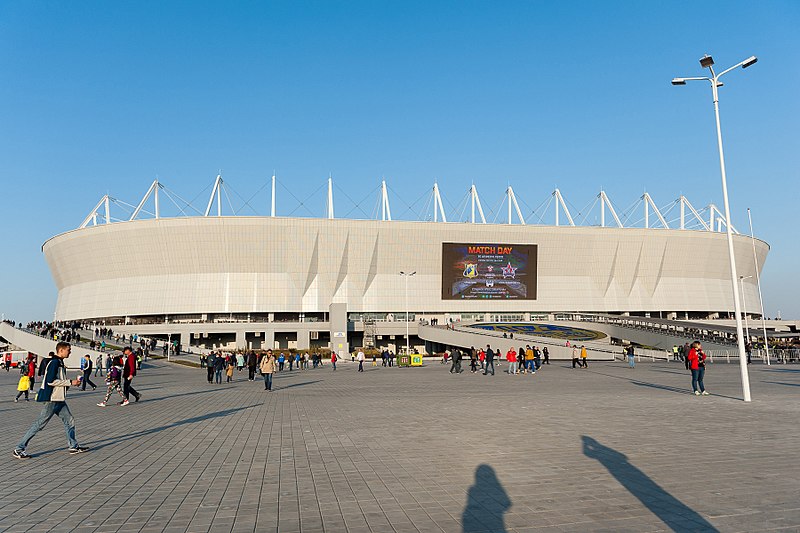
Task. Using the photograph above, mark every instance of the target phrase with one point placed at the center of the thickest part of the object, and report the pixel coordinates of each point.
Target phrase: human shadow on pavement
(147, 399)
(281, 387)
(781, 383)
(678, 390)
(487, 501)
(102, 443)
(674, 513)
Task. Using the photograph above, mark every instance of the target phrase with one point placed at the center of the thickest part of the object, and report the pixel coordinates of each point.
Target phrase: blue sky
(102, 97)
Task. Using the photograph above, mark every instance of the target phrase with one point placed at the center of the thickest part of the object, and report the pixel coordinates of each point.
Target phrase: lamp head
(749, 62)
(678, 81)
(706, 61)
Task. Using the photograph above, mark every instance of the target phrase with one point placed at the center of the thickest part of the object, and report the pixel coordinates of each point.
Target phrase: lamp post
(708, 62)
(758, 283)
(744, 308)
(408, 339)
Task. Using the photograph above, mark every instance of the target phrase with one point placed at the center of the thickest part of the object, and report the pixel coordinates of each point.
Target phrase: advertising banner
(472, 271)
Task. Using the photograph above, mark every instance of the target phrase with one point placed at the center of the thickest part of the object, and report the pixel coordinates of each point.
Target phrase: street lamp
(758, 283)
(744, 307)
(408, 339)
(708, 62)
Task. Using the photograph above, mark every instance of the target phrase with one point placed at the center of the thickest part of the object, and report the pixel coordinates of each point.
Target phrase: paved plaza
(415, 450)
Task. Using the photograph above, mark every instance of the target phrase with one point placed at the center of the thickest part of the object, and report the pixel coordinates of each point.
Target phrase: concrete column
(186, 341)
(338, 322)
(269, 340)
(303, 339)
(241, 339)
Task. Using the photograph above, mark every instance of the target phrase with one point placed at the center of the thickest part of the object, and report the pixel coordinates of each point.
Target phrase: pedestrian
(267, 368)
(27, 373)
(210, 358)
(546, 354)
(252, 359)
(239, 361)
(511, 357)
(98, 365)
(108, 363)
(113, 378)
(128, 373)
(86, 366)
(219, 366)
(473, 360)
(53, 394)
(530, 364)
(697, 364)
(489, 360)
(575, 354)
(583, 356)
(360, 358)
(631, 357)
(457, 356)
(685, 355)
(281, 361)
(229, 370)
(333, 360)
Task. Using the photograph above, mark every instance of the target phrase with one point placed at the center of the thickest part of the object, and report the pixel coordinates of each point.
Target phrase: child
(113, 377)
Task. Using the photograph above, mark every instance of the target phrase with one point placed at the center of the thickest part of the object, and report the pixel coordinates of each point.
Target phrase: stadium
(220, 279)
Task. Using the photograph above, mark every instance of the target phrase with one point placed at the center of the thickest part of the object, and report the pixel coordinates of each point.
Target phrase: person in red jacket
(128, 373)
(697, 364)
(511, 357)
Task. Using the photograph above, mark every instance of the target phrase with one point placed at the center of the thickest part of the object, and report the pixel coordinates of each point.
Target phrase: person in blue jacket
(53, 394)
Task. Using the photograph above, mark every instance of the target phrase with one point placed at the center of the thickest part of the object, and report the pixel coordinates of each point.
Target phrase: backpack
(43, 367)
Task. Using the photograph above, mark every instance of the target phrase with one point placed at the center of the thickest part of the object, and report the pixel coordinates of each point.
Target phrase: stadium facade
(277, 281)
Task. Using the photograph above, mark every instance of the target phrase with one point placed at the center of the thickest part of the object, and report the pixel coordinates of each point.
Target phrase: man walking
(360, 358)
(489, 360)
(98, 365)
(86, 366)
(53, 394)
(251, 365)
(128, 373)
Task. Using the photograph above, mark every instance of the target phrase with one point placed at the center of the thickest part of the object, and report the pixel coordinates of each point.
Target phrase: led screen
(478, 271)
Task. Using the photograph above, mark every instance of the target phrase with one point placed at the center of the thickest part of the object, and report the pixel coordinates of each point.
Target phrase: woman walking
(267, 368)
(697, 364)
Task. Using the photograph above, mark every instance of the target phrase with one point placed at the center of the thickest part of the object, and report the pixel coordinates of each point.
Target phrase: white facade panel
(268, 265)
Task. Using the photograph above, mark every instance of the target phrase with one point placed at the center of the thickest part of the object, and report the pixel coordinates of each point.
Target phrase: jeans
(218, 375)
(251, 373)
(529, 365)
(210, 371)
(512, 367)
(268, 381)
(334, 364)
(50, 409)
(631, 362)
(489, 364)
(697, 379)
(361, 366)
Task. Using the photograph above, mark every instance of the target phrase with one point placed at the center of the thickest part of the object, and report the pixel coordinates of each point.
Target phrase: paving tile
(410, 450)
